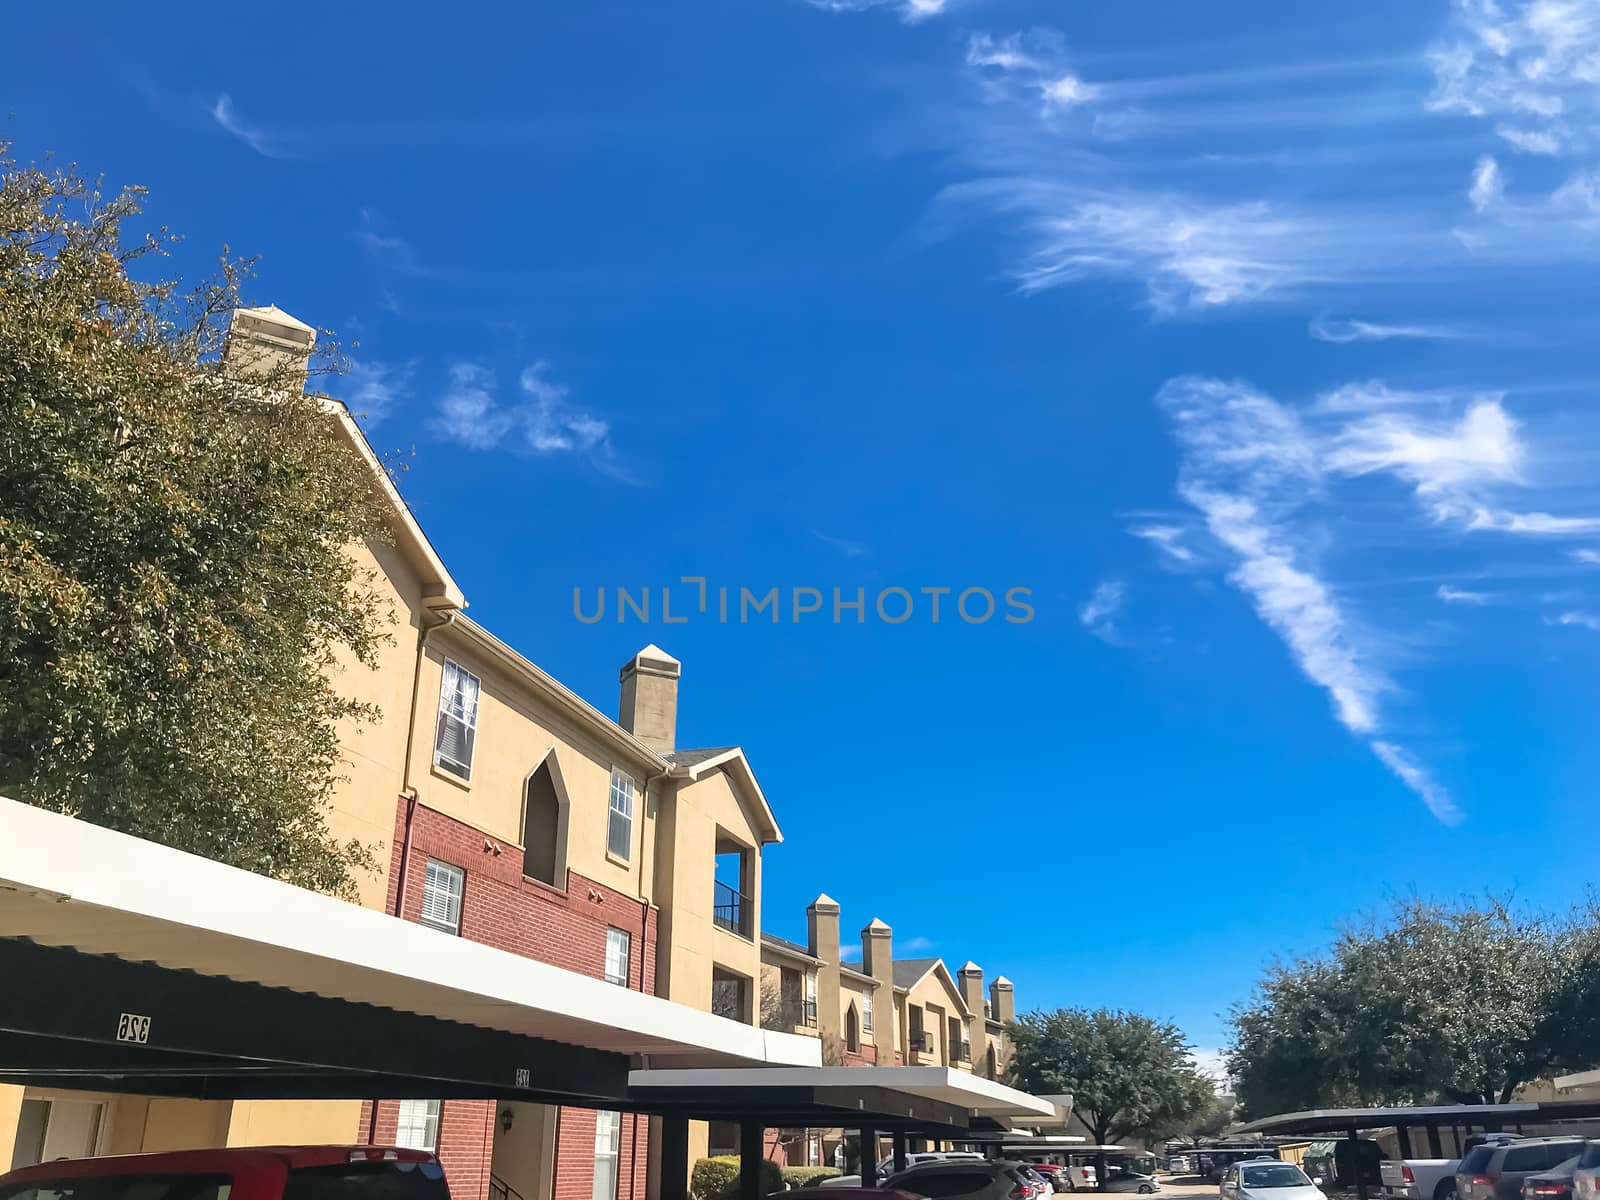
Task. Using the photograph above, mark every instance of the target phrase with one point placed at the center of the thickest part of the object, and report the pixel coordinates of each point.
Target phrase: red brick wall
(501, 908)
(867, 1056)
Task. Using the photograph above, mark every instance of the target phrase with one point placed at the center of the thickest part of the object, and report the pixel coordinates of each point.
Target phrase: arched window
(852, 1029)
(992, 1065)
(541, 827)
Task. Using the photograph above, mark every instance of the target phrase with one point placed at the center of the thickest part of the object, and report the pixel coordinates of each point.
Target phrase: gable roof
(783, 946)
(908, 972)
(697, 764)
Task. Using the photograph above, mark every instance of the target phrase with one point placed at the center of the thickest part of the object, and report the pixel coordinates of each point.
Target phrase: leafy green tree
(1129, 1075)
(175, 582)
(1460, 1002)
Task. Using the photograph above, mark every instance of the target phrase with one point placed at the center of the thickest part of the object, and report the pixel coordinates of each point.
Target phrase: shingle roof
(908, 970)
(693, 758)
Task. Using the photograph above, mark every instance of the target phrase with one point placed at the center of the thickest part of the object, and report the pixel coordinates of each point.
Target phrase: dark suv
(1497, 1172)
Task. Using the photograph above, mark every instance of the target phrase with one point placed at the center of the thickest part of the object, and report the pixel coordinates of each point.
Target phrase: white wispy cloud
(539, 420)
(911, 12)
(1340, 332)
(1452, 595)
(223, 113)
(1529, 66)
(1099, 613)
(1582, 620)
(371, 390)
(845, 546)
(1374, 395)
(1249, 467)
(388, 250)
(1168, 539)
(915, 944)
(1587, 557)
(1487, 184)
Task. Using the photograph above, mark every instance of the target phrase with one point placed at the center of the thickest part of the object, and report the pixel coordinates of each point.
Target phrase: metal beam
(674, 1158)
(136, 1015)
(868, 1137)
(751, 1152)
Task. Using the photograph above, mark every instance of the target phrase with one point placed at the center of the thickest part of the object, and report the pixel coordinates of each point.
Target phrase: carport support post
(869, 1156)
(1435, 1150)
(751, 1152)
(1402, 1139)
(899, 1151)
(674, 1158)
(1355, 1164)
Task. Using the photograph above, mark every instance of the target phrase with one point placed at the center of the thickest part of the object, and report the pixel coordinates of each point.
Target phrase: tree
(1128, 1074)
(1458, 1002)
(175, 582)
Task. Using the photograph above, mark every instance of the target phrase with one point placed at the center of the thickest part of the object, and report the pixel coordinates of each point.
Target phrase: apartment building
(502, 808)
(879, 1010)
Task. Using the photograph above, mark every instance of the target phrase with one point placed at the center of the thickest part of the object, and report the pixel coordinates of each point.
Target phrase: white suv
(1586, 1178)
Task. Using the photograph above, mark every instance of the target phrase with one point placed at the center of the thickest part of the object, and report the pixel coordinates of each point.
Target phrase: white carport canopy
(69, 884)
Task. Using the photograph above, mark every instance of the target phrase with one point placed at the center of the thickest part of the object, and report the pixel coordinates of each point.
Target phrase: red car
(264, 1173)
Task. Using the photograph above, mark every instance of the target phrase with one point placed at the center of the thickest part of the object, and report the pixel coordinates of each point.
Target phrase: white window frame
(619, 955)
(456, 705)
(607, 1154)
(809, 996)
(419, 1122)
(619, 814)
(436, 873)
(866, 1011)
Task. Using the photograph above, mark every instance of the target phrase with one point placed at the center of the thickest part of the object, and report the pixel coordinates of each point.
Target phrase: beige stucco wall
(10, 1110)
(295, 1122)
(516, 730)
(939, 1001)
(185, 1124)
(692, 943)
(373, 753)
(851, 992)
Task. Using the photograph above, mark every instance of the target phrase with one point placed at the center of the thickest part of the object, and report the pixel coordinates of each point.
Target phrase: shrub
(718, 1178)
(799, 1177)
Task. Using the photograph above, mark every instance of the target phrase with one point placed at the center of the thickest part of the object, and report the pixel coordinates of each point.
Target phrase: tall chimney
(877, 960)
(650, 698)
(266, 341)
(971, 979)
(822, 940)
(1004, 999)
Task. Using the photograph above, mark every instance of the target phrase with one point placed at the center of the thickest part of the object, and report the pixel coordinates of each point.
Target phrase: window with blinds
(442, 889)
(619, 950)
(419, 1124)
(607, 1144)
(619, 830)
(866, 1011)
(458, 720)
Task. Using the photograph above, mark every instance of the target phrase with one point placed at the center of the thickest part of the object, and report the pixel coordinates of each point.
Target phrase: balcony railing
(961, 1051)
(731, 908)
(808, 1014)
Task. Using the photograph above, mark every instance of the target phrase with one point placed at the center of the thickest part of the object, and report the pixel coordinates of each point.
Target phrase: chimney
(971, 979)
(650, 698)
(1004, 1000)
(877, 960)
(822, 940)
(263, 342)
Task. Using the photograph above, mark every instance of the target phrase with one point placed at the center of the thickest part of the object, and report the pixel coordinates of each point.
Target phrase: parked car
(1586, 1178)
(1131, 1181)
(823, 1192)
(264, 1173)
(964, 1179)
(1430, 1178)
(1081, 1177)
(1554, 1184)
(1045, 1185)
(1179, 1164)
(1496, 1172)
(886, 1165)
(1268, 1180)
(1334, 1163)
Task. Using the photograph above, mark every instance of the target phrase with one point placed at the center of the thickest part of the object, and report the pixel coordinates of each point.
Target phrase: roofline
(938, 967)
(786, 951)
(439, 590)
(563, 697)
(858, 976)
(735, 757)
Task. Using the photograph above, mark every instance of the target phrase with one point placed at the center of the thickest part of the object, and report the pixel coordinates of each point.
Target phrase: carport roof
(888, 1096)
(1340, 1120)
(69, 884)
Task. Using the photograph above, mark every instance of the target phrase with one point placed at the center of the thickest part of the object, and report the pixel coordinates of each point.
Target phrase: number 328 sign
(131, 1027)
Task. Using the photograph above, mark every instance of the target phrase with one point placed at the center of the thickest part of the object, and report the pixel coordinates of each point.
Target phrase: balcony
(731, 909)
(961, 1052)
(808, 1014)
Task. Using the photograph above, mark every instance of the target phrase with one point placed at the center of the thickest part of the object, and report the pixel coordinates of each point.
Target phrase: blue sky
(1256, 340)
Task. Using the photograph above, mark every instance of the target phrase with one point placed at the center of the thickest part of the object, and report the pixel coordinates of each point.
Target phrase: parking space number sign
(131, 1027)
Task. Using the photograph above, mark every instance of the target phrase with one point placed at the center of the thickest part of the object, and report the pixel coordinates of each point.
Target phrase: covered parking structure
(933, 1102)
(1430, 1119)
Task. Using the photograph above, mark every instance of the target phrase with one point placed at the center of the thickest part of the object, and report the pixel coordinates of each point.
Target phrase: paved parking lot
(1179, 1186)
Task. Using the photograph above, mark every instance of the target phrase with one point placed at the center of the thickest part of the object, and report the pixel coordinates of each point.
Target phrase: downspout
(408, 793)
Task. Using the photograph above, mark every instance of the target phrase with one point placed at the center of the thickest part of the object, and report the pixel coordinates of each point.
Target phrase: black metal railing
(731, 908)
(808, 1014)
(961, 1051)
(499, 1189)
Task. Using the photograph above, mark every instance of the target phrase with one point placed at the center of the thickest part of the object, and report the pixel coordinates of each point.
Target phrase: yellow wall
(516, 730)
(10, 1111)
(185, 1124)
(295, 1123)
